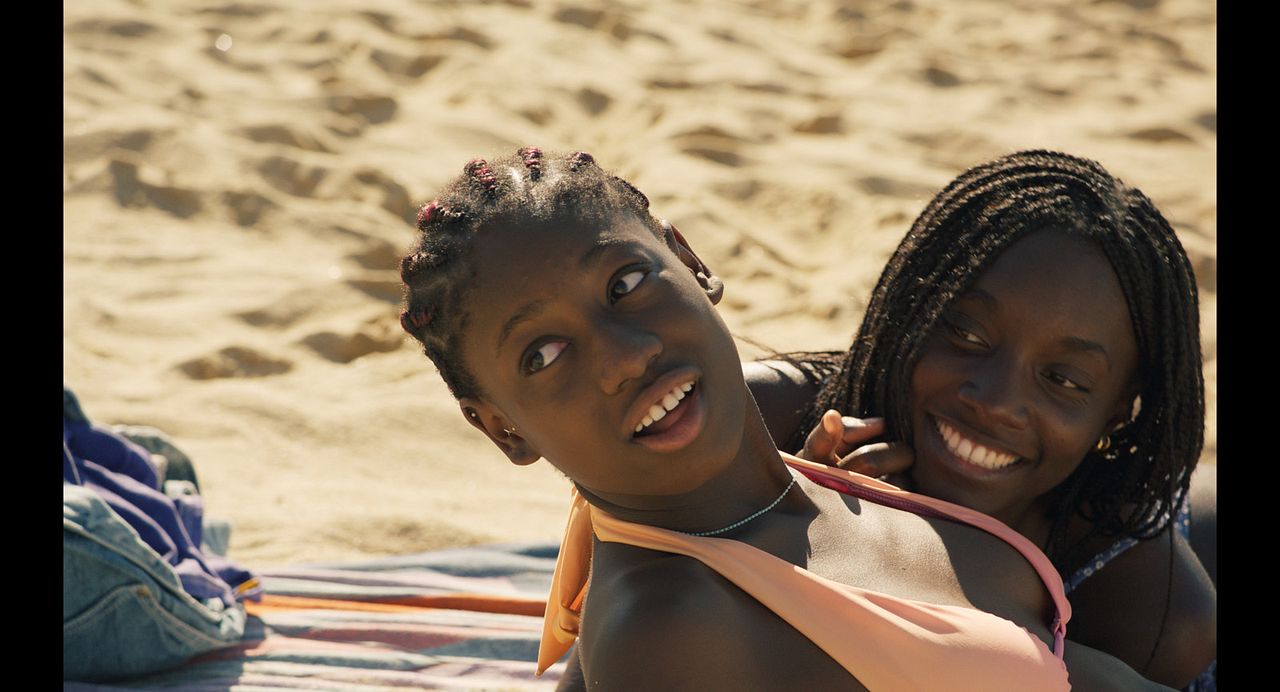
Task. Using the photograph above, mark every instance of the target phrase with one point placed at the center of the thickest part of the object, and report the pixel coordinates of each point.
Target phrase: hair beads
(532, 158)
(479, 169)
(437, 272)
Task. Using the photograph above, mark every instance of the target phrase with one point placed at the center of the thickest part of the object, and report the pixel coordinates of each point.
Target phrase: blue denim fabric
(124, 610)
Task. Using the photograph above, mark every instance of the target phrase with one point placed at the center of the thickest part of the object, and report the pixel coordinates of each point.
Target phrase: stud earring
(509, 431)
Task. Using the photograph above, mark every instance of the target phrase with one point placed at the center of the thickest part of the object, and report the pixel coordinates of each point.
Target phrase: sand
(240, 180)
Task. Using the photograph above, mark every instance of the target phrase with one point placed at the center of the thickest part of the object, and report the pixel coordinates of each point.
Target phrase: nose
(994, 391)
(624, 353)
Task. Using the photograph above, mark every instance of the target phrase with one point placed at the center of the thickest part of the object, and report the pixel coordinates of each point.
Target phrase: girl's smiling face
(1022, 375)
(605, 354)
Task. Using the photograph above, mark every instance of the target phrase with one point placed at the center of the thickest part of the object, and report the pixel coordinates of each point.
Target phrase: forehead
(527, 269)
(1051, 277)
(509, 259)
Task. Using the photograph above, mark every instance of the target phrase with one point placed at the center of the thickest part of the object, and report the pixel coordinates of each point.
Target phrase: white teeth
(669, 401)
(971, 451)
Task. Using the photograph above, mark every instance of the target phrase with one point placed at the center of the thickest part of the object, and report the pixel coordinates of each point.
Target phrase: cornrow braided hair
(528, 190)
(1135, 487)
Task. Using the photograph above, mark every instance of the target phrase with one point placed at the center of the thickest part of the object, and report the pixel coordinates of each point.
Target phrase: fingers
(856, 431)
(820, 445)
(879, 459)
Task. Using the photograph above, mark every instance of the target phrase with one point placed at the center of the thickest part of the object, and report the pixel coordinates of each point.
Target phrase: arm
(1090, 669)
(572, 680)
(783, 394)
(1120, 610)
(1204, 518)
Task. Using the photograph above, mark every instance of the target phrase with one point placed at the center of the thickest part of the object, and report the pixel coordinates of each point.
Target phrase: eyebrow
(1071, 343)
(988, 301)
(592, 257)
(1075, 343)
(589, 260)
(527, 312)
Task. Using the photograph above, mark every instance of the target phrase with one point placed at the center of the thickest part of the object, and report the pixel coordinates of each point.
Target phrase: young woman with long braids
(1034, 341)
(572, 324)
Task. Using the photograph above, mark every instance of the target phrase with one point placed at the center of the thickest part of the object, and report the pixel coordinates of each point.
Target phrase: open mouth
(972, 452)
(674, 420)
(652, 421)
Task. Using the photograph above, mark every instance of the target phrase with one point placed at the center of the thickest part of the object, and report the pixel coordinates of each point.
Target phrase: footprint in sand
(1160, 135)
(289, 176)
(826, 124)
(373, 108)
(395, 198)
(284, 311)
(411, 67)
(132, 191)
(378, 254)
(941, 78)
(1208, 120)
(237, 9)
(739, 190)
(592, 101)
(713, 144)
(889, 187)
(857, 48)
(344, 348)
(585, 17)
(119, 27)
(247, 208)
(458, 33)
(295, 137)
(234, 361)
(91, 145)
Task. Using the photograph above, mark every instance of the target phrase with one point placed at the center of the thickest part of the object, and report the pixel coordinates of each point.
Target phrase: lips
(969, 451)
(669, 413)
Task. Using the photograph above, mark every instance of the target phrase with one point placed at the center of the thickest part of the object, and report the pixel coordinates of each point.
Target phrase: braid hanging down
(1131, 489)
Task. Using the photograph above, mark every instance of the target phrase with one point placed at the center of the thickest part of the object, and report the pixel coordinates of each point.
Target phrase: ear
(489, 420)
(709, 282)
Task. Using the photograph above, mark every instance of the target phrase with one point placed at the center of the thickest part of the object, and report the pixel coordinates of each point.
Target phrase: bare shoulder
(782, 392)
(1121, 610)
(668, 622)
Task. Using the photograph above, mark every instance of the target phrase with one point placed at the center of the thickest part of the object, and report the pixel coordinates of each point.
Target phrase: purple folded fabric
(121, 473)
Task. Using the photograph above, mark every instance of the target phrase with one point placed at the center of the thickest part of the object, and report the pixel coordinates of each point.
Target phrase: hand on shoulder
(845, 441)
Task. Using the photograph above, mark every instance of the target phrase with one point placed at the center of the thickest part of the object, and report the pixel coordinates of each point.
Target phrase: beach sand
(241, 178)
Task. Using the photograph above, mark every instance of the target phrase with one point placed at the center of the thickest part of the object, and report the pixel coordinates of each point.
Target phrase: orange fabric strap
(884, 641)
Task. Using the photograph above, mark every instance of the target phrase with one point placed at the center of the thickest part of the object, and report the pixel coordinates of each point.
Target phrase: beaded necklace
(740, 522)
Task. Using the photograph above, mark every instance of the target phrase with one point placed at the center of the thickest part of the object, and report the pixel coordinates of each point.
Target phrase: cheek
(932, 374)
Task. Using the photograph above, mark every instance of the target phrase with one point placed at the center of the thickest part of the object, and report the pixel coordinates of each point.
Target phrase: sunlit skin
(1030, 367)
(571, 337)
(605, 324)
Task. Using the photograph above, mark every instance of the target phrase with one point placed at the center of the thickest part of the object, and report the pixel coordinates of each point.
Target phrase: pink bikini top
(900, 644)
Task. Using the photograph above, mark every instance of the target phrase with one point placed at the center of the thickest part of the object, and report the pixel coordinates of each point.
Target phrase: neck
(753, 480)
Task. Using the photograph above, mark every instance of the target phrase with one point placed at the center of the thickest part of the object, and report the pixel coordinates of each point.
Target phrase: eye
(626, 283)
(967, 336)
(1064, 381)
(543, 356)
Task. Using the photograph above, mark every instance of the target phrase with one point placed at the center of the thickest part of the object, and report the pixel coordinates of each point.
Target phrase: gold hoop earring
(1104, 443)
